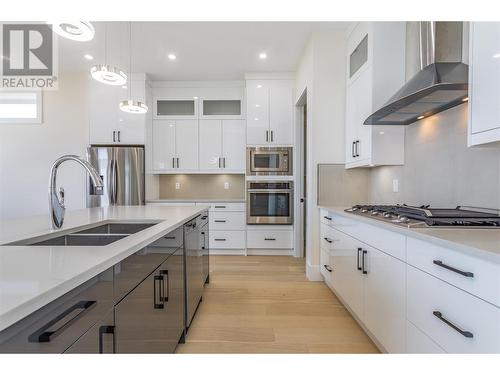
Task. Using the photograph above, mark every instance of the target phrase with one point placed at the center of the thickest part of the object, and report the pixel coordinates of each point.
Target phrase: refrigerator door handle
(115, 182)
(109, 182)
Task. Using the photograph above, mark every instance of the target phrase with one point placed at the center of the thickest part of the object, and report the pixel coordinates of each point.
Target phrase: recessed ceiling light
(195, 97)
(88, 57)
(496, 56)
(262, 55)
(259, 86)
(81, 31)
(420, 117)
(257, 105)
(124, 87)
(171, 56)
(381, 133)
(256, 119)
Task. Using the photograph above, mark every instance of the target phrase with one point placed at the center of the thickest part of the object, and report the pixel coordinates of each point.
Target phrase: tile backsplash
(440, 169)
(202, 186)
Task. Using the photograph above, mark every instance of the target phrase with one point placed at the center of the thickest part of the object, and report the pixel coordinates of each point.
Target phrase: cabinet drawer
(474, 275)
(227, 220)
(223, 206)
(325, 217)
(385, 240)
(227, 239)
(434, 306)
(419, 343)
(329, 237)
(257, 239)
(325, 265)
(56, 326)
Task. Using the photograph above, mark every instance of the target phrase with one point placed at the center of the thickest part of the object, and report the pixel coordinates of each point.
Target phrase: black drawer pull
(45, 333)
(106, 330)
(169, 238)
(328, 218)
(219, 239)
(327, 267)
(357, 259)
(269, 239)
(328, 240)
(446, 321)
(463, 273)
(204, 217)
(167, 287)
(363, 263)
(158, 292)
(219, 206)
(220, 221)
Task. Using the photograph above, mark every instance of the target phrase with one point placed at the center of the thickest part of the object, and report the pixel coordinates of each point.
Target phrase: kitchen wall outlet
(226, 185)
(177, 185)
(395, 186)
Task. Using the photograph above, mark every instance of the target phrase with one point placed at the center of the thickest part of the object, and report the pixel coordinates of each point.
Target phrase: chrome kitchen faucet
(56, 200)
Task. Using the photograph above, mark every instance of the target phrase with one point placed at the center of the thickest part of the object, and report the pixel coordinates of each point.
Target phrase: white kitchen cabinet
(222, 108)
(376, 70)
(110, 125)
(385, 299)
(222, 145)
(484, 83)
(210, 145)
(175, 108)
(175, 145)
(269, 112)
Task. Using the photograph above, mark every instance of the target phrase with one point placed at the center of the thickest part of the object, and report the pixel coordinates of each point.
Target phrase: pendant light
(108, 74)
(130, 105)
(81, 31)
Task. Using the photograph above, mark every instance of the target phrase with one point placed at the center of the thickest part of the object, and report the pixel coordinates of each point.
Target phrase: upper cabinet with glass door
(178, 108)
(230, 108)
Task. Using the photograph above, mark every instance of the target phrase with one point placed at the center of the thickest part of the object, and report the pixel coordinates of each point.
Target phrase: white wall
(322, 72)
(28, 151)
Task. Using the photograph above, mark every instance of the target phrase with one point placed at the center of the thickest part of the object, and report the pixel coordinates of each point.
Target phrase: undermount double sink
(100, 235)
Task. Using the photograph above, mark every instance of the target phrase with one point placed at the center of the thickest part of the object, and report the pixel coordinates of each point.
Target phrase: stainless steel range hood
(442, 82)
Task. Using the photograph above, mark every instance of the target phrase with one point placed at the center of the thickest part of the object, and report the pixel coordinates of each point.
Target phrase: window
(21, 107)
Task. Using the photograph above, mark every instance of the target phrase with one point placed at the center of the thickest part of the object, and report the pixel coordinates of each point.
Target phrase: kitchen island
(34, 274)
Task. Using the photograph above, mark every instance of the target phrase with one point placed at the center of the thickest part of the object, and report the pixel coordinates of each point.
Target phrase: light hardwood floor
(264, 304)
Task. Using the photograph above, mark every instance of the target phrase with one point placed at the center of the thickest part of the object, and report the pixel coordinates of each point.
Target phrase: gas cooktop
(426, 216)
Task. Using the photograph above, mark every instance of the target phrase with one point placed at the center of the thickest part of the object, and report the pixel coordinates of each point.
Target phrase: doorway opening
(301, 162)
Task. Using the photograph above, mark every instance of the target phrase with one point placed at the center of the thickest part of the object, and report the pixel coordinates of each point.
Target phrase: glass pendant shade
(81, 31)
(109, 75)
(133, 106)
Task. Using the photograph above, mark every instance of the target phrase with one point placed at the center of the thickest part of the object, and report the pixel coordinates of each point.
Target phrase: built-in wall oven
(269, 161)
(269, 202)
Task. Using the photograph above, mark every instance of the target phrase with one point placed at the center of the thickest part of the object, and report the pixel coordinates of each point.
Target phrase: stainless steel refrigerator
(122, 171)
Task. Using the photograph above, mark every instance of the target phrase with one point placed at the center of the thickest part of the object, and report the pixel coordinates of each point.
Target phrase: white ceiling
(204, 50)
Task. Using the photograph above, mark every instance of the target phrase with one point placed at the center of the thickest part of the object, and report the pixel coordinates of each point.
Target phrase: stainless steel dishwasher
(193, 250)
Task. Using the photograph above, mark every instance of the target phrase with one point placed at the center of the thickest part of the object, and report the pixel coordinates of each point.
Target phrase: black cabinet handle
(45, 333)
(106, 330)
(463, 273)
(169, 238)
(440, 316)
(219, 206)
(114, 135)
(269, 239)
(328, 218)
(119, 136)
(204, 217)
(267, 135)
(363, 262)
(357, 148)
(220, 221)
(167, 287)
(158, 292)
(327, 267)
(357, 259)
(327, 240)
(219, 239)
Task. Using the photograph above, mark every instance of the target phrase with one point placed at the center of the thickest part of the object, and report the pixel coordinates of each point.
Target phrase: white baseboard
(313, 273)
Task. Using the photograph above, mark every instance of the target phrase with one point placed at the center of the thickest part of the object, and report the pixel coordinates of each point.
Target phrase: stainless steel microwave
(269, 161)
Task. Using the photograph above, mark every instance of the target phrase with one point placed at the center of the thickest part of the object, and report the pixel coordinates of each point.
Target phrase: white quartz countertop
(230, 200)
(480, 242)
(33, 276)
